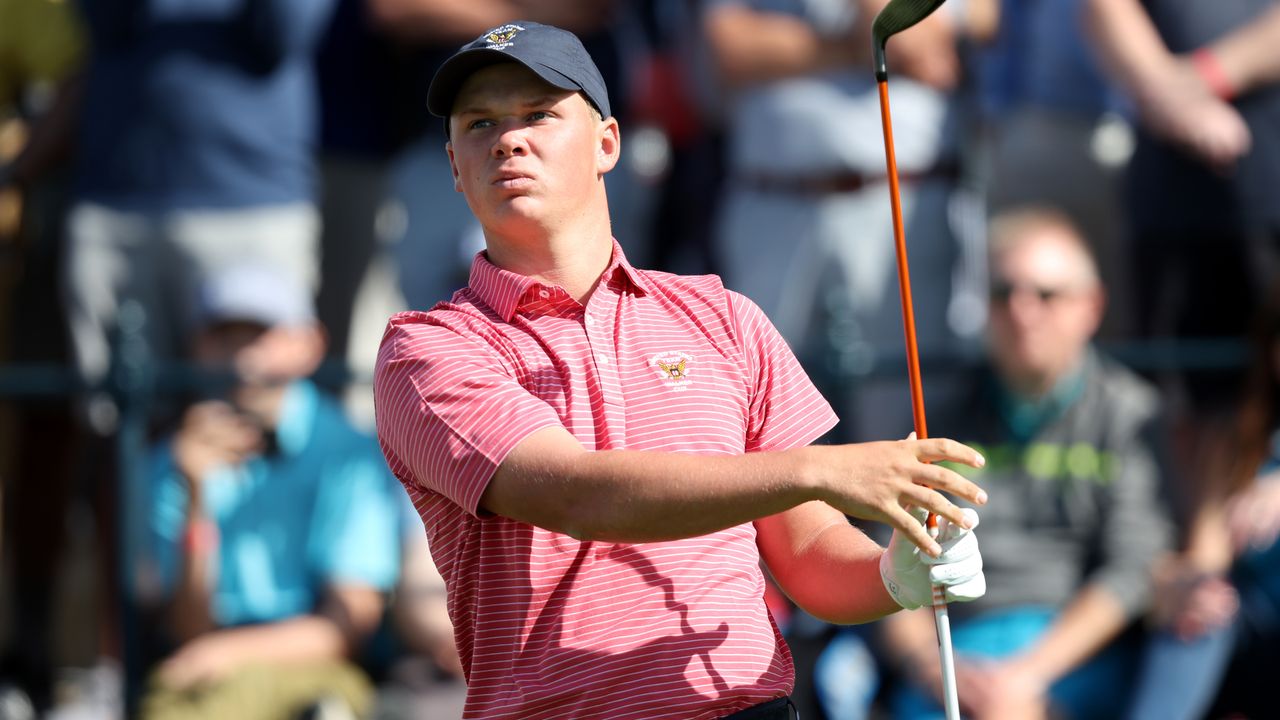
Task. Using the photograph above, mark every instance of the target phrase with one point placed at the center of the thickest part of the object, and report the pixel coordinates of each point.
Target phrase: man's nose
(511, 141)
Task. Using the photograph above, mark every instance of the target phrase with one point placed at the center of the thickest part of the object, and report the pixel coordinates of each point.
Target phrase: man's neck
(571, 260)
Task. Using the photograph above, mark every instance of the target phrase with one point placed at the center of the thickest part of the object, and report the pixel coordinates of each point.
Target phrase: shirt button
(591, 321)
(544, 294)
(604, 359)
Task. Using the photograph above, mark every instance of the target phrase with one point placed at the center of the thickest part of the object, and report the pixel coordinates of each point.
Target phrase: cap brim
(449, 78)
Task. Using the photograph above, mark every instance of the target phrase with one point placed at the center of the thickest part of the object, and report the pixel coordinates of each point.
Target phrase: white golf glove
(909, 574)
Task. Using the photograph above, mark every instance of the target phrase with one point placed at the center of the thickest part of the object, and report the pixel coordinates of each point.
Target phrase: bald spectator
(1074, 520)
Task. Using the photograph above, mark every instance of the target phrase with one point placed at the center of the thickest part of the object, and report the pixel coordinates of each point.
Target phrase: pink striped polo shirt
(547, 626)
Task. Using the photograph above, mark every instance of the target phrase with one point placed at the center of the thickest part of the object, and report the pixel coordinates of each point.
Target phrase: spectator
(806, 162)
(1218, 598)
(195, 154)
(1206, 80)
(1075, 519)
(273, 522)
(595, 524)
(41, 50)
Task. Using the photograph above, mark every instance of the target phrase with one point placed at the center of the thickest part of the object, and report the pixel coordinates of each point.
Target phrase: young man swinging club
(602, 455)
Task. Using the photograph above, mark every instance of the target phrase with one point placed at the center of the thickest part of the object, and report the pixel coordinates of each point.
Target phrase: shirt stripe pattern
(548, 626)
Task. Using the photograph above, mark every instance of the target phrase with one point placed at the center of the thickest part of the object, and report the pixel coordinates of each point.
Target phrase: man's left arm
(838, 574)
(824, 564)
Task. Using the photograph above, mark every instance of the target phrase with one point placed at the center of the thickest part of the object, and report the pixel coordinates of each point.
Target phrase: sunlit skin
(1035, 342)
(530, 159)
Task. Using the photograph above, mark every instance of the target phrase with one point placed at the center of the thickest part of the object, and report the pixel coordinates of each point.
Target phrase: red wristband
(1210, 70)
(201, 537)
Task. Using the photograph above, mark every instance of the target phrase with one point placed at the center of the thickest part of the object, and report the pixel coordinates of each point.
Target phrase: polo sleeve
(785, 409)
(449, 408)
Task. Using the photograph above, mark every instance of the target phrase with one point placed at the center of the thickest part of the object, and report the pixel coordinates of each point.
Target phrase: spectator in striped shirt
(603, 455)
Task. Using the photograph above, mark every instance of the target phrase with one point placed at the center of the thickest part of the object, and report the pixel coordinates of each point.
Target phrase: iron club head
(897, 16)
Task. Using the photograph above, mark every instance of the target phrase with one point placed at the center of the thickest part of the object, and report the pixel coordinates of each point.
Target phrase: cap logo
(672, 368)
(499, 38)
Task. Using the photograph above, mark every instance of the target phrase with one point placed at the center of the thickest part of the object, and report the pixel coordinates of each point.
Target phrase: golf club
(897, 16)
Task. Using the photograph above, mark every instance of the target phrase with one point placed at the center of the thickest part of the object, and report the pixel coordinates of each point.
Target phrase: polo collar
(504, 291)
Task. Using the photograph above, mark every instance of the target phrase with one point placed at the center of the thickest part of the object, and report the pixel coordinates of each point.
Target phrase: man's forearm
(551, 481)
(189, 612)
(634, 496)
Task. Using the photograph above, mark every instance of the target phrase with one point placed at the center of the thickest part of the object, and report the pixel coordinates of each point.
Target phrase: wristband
(201, 537)
(1209, 68)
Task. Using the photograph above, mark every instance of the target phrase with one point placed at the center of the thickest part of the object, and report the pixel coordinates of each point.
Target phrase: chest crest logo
(673, 369)
(500, 37)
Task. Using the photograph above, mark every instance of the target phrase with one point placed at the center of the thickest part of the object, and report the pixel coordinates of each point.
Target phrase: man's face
(1045, 306)
(523, 150)
(258, 356)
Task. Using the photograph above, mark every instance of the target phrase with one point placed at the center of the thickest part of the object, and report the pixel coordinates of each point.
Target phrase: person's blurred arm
(421, 612)
(1248, 57)
(1172, 96)
(348, 615)
(751, 47)
(212, 435)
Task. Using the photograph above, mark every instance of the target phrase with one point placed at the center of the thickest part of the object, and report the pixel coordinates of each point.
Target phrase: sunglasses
(1002, 291)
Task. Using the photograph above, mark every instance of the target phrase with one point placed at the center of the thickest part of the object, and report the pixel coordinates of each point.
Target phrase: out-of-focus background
(209, 208)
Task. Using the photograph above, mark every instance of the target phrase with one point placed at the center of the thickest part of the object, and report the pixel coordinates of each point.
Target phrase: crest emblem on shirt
(499, 38)
(672, 368)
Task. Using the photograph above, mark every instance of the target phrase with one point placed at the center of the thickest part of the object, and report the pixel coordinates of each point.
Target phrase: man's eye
(538, 115)
(479, 124)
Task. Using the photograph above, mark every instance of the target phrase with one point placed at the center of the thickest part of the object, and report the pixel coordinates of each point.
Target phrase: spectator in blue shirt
(273, 524)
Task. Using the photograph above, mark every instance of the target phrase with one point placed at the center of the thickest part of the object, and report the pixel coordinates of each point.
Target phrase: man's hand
(878, 481)
(1191, 601)
(213, 434)
(909, 574)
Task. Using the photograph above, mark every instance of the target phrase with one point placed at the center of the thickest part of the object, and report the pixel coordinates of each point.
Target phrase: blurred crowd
(209, 208)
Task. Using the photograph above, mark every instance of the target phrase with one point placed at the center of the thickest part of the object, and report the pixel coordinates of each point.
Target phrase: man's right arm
(551, 481)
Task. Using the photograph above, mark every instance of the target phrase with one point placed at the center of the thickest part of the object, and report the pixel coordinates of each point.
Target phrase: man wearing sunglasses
(1075, 517)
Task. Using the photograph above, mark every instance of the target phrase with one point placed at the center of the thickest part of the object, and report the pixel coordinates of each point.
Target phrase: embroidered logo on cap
(673, 369)
(499, 38)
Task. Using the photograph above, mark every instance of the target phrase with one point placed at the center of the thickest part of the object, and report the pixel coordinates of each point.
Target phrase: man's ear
(453, 168)
(609, 145)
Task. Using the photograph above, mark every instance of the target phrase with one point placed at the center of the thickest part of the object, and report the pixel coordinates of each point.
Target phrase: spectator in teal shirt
(274, 523)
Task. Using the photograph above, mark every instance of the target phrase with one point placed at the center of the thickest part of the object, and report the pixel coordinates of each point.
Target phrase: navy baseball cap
(556, 55)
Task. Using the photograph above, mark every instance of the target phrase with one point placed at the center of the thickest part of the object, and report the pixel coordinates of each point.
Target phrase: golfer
(602, 456)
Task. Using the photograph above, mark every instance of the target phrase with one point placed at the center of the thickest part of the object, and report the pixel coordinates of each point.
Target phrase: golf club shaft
(941, 621)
